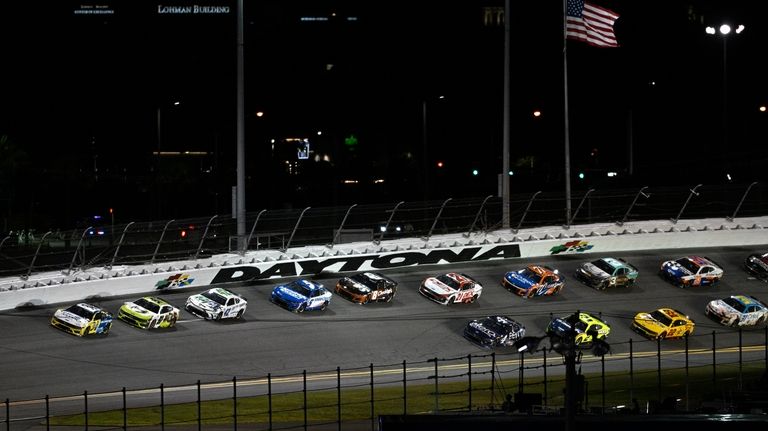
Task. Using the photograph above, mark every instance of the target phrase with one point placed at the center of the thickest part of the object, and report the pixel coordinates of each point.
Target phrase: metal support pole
(493, 380)
(690, 195)
(469, 379)
(7, 414)
(296, 226)
(373, 403)
(162, 234)
(602, 380)
(741, 359)
(205, 233)
(338, 397)
(240, 133)
(765, 345)
(120, 243)
(575, 213)
(434, 223)
(253, 228)
(545, 377)
(477, 216)
(405, 390)
(658, 369)
(234, 402)
(34, 258)
(687, 374)
(437, 401)
(344, 220)
(47, 413)
(631, 372)
(521, 374)
(74, 256)
(386, 227)
(199, 412)
(304, 391)
(85, 410)
(736, 211)
(530, 202)
(714, 362)
(269, 399)
(162, 406)
(125, 411)
(632, 205)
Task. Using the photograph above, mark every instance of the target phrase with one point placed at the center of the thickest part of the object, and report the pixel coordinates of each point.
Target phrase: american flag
(591, 24)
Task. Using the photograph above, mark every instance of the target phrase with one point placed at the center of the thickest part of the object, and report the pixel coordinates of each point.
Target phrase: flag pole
(567, 130)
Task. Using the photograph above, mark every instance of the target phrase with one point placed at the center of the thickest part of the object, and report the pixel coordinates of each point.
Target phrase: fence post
(521, 374)
(338, 397)
(690, 195)
(573, 217)
(602, 380)
(741, 362)
(234, 402)
(631, 372)
(85, 406)
(7, 414)
(632, 205)
(545, 377)
(74, 256)
(405, 391)
(117, 249)
(477, 216)
(250, 235)
(493, 380)
(437, 217)
(765, 344)
(736, 211)
(687, 378)
(469, 378)
(205, 233)
(714, 362)
(304, 390)
(162, 406)
(159, 241)
(295, 227)
(386, 227)
(373, 403)
(658, 369)
(125, 411)
(437, 388)
(199, 412)
(47, 413)
(530, 202)
(32, 264)
(269, 399)
(338, 232)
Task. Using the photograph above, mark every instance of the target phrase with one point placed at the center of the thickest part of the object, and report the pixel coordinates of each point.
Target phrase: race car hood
(595, 271)
(286, 293)
(675, 269)
(559, 326)
(438, 287)
(204, 303)
(720, 308)
(71, 318)
(647, 321)
(519, 280)
(479, 328)
(136, 310)
(360, 287)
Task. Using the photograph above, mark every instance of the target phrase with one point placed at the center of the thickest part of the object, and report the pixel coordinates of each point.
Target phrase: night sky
(81, 95)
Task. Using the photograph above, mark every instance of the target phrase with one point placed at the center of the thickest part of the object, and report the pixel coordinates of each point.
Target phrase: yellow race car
(663, 323)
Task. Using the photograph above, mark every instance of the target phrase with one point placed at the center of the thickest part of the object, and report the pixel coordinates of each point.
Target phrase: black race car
(494, 331)
(757, 265)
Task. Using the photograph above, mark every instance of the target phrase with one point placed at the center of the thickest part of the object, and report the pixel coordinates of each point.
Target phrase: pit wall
(92, 284)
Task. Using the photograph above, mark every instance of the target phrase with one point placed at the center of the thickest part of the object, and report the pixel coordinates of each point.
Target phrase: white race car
(216, 304)
(450, 288)
(737, 310)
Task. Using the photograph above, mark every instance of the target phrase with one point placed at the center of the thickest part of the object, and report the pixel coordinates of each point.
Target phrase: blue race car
(494, 331)
(301, 295)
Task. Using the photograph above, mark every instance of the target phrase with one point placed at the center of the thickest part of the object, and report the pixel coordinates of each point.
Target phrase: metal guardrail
(197, 238)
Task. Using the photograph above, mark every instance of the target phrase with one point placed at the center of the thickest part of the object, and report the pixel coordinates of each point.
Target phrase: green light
(350, 141)
(475, 172)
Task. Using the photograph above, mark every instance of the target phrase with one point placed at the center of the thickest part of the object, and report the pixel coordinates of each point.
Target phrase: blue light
(97, 217)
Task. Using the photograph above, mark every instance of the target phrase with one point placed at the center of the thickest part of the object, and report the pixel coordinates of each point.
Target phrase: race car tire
(324, 306)
(735, 322)
(301, 308)
(602, 285)
(218, 316)
(173, 321)
(474, 298)
(760, 321)
(662, 335)
(390, 298)
(240, 314)
(451, 300)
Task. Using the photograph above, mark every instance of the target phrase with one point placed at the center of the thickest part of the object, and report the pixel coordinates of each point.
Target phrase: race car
(663, 323)
(585, 327)
(494, 331)
(217, 304)
(451, 288)
(691, 271)
(367, 287)
(533, 280)
(757, 265)
(737, 310)
(301, 295)
(607, 272)
(83, 319)
(148, 312)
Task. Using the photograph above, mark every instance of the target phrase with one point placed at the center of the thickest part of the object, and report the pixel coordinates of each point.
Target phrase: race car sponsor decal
(175, 281)
(571, 246)
(365, 263)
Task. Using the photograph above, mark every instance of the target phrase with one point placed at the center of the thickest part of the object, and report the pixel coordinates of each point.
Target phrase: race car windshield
(364, 279)
(82, 312)
(448, 281)
(300, 289)
(527, 273)
(661, 318)
(494, 325)
(151, 306)
(735, 304)
(603, 265)
(215, 297)
(687, 264)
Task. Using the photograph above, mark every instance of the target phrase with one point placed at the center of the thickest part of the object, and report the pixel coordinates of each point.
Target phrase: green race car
(149, 312)
(607, 272)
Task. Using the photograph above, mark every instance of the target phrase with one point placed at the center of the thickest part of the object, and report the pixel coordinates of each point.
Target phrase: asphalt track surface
(38, 360)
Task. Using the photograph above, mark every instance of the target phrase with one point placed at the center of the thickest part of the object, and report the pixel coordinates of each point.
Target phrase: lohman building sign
(191, 9)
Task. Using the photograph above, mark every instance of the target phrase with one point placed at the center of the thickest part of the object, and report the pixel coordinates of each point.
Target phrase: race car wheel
(218, 316)
(602, 285)
(324, 306)
(301, 308)
(760, 321)
(451, 300)
(474, 298)
(240, 314)
(390, 297)
(735, 322)
(662, 335)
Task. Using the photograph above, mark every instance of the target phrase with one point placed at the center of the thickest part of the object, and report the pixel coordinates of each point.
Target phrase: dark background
(80, 96)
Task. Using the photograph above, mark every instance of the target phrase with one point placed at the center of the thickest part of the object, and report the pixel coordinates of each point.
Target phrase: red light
(183, 234)
(439, 164)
